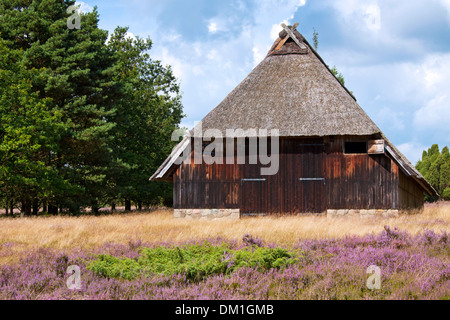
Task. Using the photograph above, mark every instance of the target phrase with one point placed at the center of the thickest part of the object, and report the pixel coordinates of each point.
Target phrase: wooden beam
(292, 35)
(376, 146)
(282, 42)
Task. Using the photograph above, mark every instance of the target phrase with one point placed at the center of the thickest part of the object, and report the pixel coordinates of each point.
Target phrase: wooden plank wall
(242, 186)
(214, 186)
(356, 181)
(411, 195)
(359, 181)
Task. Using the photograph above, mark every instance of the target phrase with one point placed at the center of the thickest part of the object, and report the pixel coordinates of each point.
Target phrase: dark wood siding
(302, 176)
(359, 181)
(411, 195)
(214, 186)
(314, 175)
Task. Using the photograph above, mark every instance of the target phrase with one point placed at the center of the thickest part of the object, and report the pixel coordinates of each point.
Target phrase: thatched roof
(292, 90)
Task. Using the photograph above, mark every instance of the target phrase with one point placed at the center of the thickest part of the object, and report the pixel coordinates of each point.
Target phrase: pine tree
(445, 174)
(76, 74)
(29, 131)
(144, 121)
(83, 122)
(435, 167)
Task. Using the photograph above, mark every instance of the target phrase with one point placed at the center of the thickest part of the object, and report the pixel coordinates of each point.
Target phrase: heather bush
(412, 267)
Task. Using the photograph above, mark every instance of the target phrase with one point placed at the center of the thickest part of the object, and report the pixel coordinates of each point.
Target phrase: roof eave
(408, 169)
(165, 170)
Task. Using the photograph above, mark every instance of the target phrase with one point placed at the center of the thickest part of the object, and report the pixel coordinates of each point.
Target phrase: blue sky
(394, 55)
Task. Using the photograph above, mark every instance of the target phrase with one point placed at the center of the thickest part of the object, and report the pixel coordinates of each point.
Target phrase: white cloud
(178, 67)
(409, 101)
(446, 4)
(412, 150)
(172, 36)
(84, 7)
(221, 23)
(258, 56)
(275, 13)
(373, 17)
(276, 29)
(197, 70)
(434, 73)
(435, 115)
(361, 15)
(207, 69)
(212, 27)
(391, 118)
(212, 55)
(434, 78)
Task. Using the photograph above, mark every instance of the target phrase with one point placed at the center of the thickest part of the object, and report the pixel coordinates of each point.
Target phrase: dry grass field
(160, 226)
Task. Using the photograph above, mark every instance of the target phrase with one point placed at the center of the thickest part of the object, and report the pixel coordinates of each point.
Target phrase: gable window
(355, 147)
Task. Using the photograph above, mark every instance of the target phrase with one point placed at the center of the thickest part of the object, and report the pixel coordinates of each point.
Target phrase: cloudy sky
(394, 55)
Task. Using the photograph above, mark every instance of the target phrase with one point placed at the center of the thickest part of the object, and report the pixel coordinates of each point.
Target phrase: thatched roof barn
(332, 156)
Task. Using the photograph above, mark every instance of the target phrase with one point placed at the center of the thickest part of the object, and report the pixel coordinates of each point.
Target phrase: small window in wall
(355, 147)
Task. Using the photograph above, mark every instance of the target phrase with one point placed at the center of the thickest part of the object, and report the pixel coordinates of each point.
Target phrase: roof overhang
(409, 169)
(166, 168)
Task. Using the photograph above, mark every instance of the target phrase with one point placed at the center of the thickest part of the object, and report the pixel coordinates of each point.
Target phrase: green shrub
(194, 261)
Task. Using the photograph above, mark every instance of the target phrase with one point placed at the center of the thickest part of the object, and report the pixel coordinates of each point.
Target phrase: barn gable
(292, 90)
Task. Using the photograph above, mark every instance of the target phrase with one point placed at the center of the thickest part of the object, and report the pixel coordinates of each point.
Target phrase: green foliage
(29, 129)
(446, 194)
(338, 75)
(194, 261)
(315, 39)
(83, 122)
(435, 167)
(144, 121)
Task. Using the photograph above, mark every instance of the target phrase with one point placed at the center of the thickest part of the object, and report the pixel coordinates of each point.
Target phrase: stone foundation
(363, 213)
(234, 214)
(207, 214)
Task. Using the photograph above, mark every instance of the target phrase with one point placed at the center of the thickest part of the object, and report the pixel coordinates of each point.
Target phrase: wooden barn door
(304, 175)
(254, 191)
(298, 187)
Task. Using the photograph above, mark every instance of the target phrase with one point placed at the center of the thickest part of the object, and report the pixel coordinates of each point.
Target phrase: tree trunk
(26, 207)
(94, 207)
(44, 206)
(127, 205)
(140, 205)
(52, 209)
(11, 207)
(35, 207)
(113, 206)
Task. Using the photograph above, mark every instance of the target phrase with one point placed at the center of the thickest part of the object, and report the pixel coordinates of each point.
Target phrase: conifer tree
(144, 121)
(29, 131)
(76, 76)
(83, 121)
(435, 167)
